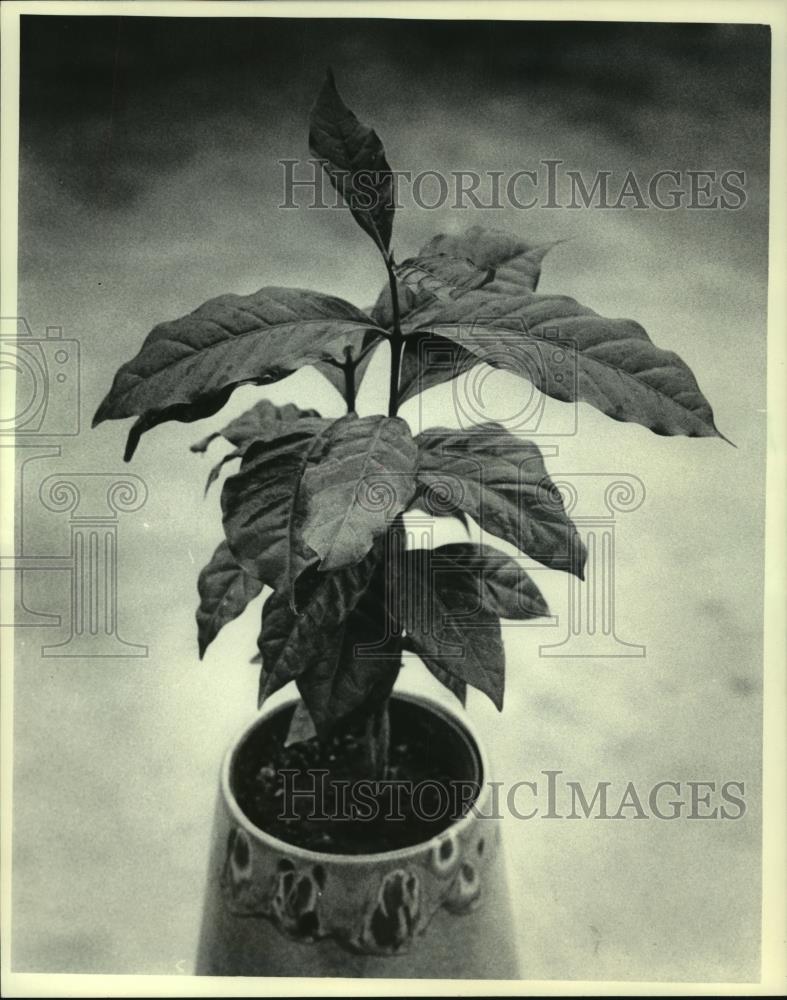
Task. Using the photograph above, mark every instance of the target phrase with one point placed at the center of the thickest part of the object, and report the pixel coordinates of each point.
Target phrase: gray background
(149, 183)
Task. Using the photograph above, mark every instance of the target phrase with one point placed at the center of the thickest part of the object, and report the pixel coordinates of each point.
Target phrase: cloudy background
(149, 183)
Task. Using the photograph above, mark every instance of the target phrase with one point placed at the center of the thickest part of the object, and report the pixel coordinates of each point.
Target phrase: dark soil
(344, 812)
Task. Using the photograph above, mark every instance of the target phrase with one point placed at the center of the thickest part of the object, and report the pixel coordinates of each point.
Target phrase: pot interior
(435, 774)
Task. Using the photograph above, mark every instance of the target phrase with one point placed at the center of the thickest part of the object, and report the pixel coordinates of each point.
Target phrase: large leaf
(358, 665)
(364, 477)
(502, 262)
(289, 641)
(264, 506)
(453, 601)
(188, 368)
(571, 353)
(354, 160)
(502, 483)
(514, 263)
(224, 589)
(322, 648)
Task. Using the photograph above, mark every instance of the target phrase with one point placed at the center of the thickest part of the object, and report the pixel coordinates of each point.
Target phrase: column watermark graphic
(93, 502)
(591, 603)
(39, 427)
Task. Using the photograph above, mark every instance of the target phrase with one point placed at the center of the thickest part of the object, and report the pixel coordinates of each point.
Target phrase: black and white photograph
(393, 538)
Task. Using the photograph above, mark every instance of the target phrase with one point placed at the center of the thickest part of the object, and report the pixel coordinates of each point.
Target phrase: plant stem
(396, 340)
(377, 727)
(377, 737)
(349, 380)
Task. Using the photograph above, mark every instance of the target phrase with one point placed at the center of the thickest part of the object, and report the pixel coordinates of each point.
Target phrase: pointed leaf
(354, 160)
(571, 353)
(501, 584)
(455, 595)
(264, 506)
(448, 626)
(364, 477)
(322, 648)
(515, 263)
(511, 265)
(502, 483)
(215, 471)
(188, 368)
(224, 589)
(358, 665)
(301, 726)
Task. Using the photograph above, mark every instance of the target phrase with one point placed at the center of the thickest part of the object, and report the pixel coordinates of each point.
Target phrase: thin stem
(396, 340)
(349, 380)
(377, 739)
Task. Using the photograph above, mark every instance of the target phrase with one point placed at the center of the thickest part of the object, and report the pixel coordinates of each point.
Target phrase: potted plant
(329, 875)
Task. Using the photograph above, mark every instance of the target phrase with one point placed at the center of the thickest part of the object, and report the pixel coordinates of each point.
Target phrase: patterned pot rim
(462, 727)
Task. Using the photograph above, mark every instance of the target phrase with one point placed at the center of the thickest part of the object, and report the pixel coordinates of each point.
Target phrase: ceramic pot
(438, 909)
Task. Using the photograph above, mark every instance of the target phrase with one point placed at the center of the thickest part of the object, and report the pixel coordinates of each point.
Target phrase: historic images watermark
(547, 796)
(551, 185)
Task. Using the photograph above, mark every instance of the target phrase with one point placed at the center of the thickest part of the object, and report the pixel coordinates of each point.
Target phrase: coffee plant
(314, 510)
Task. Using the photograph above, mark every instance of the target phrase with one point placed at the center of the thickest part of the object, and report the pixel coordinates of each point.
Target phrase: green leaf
(188, 368)
(224, 589)
(264, 505)
(354, 160)
(571, 353)
(363, 478)
(502, 483)
(454, 598)
(322, 648)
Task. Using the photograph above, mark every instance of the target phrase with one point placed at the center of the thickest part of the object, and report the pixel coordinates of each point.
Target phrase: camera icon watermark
(45, 373)
(471, 354)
